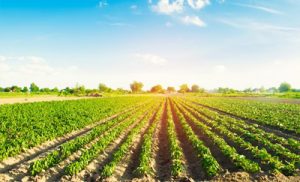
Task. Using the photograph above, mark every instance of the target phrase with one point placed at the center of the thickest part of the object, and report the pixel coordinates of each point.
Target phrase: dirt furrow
(124, 171)
(193, 162)
(162, 150)
(131, 163)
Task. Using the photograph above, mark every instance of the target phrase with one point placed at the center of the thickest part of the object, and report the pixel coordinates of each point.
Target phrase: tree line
(137, 87)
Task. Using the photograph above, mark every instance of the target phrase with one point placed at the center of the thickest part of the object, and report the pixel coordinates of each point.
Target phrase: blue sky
(212, 43)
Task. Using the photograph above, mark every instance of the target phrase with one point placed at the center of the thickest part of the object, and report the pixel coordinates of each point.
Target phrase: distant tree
(122, 91)
(47, 90)
(284, 87)
(79, 89)
(103, 88)
(136, 87)
(55, 89)
(184, 88)
(262, 90)
(25, 89)
(171, 89)
(15, 89)
(272, 90)
(195, 88)
(248, 90)
(34, 87)
(157, 89)
(226, 90)
(1, 89)
(7, 89)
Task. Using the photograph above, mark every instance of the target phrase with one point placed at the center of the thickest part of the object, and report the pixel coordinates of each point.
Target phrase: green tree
(15, 89)
(47, 90)
(103, 88)
(79, 90)
(171, 89)
(7, 89)
(34, 87)
(1, 89)
(195, 88)
(136, 87)
(157, 89)
(55, 89)
(284, 87)
(25, 89)
(184, 88)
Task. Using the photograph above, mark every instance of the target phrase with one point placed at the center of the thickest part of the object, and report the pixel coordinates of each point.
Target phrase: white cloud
(198, 4)
(169, 6)
(193, 20)
(261, 8)
(102, 3)
(151, 58)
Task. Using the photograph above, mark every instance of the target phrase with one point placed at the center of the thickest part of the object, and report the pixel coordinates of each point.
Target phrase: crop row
(261, 154)
(66, 149)
(209, 164)
(290, 142)
(177, 164)
(144, 167)
(283, 116)
(24, 126)
(118, 155)
(89, 154)
(240, 161)
(256, 136)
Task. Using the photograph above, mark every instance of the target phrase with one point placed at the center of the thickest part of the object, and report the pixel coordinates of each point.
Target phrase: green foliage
(136, 87)
(228, 126)
(34, 88)
(23, 127)
(283, 116)
(184, 88)
(284, 87)
(144, 167)
(157, 89)
(171, 89)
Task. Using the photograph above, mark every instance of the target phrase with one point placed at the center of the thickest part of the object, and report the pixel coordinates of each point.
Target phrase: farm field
(150, 138)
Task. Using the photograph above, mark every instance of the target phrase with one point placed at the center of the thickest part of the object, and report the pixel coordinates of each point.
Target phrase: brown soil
(193, 162)
(262, 177)
(163, 161)
(37, 99)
